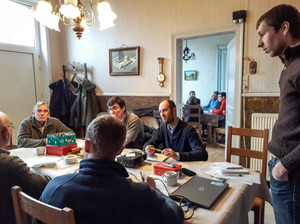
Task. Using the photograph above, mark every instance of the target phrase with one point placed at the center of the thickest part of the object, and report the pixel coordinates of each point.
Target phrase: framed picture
(124, 61)
(190, 75)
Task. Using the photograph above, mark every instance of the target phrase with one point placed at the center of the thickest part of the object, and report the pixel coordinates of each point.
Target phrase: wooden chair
(220, 131)
(259, 204)
(197, 124)
(24, 204)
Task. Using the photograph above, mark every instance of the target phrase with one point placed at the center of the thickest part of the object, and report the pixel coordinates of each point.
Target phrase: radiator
(261, 121)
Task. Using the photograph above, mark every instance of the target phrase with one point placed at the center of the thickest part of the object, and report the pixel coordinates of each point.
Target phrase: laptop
(201, 191)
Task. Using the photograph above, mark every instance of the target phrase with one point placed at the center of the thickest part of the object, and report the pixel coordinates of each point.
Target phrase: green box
(61, 138)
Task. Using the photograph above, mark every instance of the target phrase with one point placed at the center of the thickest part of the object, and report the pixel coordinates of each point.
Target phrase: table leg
(209, 134)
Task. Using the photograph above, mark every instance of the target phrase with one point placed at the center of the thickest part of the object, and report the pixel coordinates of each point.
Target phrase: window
(17, 23)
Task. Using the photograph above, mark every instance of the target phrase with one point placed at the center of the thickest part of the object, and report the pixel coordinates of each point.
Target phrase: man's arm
(25, 136)
(133, 128)
(198, 152)
(290, 164)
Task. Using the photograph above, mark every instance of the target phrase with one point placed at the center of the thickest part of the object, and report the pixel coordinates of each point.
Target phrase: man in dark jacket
(13, 171)
(101, 193)
(33, 130)
(180, 140)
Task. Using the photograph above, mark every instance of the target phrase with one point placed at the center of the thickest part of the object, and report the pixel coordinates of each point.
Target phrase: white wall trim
(261, 94)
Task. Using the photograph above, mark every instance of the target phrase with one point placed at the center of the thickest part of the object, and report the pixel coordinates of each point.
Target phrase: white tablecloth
(232, 207)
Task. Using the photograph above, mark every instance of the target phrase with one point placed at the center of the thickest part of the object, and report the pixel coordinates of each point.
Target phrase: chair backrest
(24, 204)
(192, 115)
(250, 153)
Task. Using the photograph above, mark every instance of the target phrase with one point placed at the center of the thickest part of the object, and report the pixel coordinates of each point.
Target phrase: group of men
(101, 182)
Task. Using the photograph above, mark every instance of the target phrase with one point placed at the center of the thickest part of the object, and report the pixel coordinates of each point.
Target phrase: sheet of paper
(227, 165)
(156, 157)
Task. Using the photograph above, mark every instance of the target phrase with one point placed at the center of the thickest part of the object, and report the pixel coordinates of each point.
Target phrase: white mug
(70, 159)
(170, 177)
(40, 150)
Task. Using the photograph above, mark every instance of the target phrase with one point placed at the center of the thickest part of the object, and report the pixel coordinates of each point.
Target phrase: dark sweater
(184, 140)
(285, 143)
(101, 193)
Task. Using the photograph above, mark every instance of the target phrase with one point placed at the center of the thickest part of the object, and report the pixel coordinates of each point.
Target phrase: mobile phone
(188, 172)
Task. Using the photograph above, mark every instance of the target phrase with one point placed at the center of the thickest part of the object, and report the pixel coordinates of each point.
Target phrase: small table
(232, 207)
(211, 120)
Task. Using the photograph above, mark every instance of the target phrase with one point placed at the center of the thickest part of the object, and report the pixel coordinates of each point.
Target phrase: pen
(141, 174)
(157, 150)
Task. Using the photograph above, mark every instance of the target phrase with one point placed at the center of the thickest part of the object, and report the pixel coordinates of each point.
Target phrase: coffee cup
(170, 178)
(40, 150)
(70, 159)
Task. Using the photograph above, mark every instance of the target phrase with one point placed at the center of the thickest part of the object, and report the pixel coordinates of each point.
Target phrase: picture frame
(190, 75)
(124, 61)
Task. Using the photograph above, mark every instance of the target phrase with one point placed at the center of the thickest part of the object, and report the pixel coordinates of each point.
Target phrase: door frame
(176, 66)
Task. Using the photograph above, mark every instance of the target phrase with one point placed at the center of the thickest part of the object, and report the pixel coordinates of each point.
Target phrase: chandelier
(186, 53)
(73, 12)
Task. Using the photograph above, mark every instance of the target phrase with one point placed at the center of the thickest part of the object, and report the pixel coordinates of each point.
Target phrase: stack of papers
(230, 168)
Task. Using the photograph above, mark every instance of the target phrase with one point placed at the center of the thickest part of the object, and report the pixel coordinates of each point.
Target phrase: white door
(17, 87)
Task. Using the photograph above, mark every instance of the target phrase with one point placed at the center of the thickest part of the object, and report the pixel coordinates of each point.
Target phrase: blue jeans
(285, 197)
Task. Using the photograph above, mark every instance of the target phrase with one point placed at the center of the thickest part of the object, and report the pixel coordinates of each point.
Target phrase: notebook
(201, 191)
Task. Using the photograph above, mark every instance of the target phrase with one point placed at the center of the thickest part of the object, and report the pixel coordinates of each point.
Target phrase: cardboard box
(161, 167)
(59, 150)
(61, 138)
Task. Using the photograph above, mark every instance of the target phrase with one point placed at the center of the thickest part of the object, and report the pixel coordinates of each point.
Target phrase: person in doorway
(110, 197)
(14, 172)
(135, 130)
(193, 94)
(180, 140)
(33, 130)
(279, 36)
(213, 102)
(221, 111)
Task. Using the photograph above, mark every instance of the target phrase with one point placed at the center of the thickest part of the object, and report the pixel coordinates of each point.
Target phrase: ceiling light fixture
(186, 53)
(73, 12)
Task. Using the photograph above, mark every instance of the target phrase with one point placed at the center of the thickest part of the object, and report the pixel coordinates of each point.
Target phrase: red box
(59, 150)
(160, 168)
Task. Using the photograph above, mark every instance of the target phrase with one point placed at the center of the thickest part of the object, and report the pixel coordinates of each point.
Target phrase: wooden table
(211, 120)
(231, 208)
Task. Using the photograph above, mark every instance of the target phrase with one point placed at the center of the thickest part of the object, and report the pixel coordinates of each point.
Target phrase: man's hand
(149, 150)
(280, 173)
(170, 153)
(149, 180)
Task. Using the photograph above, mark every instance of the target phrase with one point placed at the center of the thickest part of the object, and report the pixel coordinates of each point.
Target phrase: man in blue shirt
(213, 102)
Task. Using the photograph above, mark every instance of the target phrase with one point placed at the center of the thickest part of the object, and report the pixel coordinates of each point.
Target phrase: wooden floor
(215, 153)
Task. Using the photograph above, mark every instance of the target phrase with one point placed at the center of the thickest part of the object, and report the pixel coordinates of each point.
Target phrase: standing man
(13, 171)
(134, 126)
(33, 130)
(279, 35)
(180, 140)
(102, 183)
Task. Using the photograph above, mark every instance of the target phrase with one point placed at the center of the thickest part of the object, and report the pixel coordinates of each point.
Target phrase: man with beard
(179, 140)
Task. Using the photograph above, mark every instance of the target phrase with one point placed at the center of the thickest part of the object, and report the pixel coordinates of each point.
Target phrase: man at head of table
(14, 172)
(180, 140)
(101, 190)
(33, 130)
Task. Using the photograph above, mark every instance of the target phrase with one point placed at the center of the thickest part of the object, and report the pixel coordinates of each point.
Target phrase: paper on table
(234, 171)
(250, 178)
(227, 165)
(44, 165)
(156, 157)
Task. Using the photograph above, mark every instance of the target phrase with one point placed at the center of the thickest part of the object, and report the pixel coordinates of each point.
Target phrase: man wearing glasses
(134, 126)
(33, 130)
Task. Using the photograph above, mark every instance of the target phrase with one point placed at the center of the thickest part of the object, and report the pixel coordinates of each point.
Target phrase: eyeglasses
(113, 108)
(40, 111)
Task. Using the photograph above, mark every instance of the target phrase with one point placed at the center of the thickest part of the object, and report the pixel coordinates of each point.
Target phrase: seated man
(193, 94)
(180, 140)
(134, 126)
(213, 102)
(14, 172)
(33, 130)
(192, 101)
(221, 110)
(102, 184)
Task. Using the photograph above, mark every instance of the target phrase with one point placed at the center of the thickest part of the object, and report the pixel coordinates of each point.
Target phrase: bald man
(13, 171)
